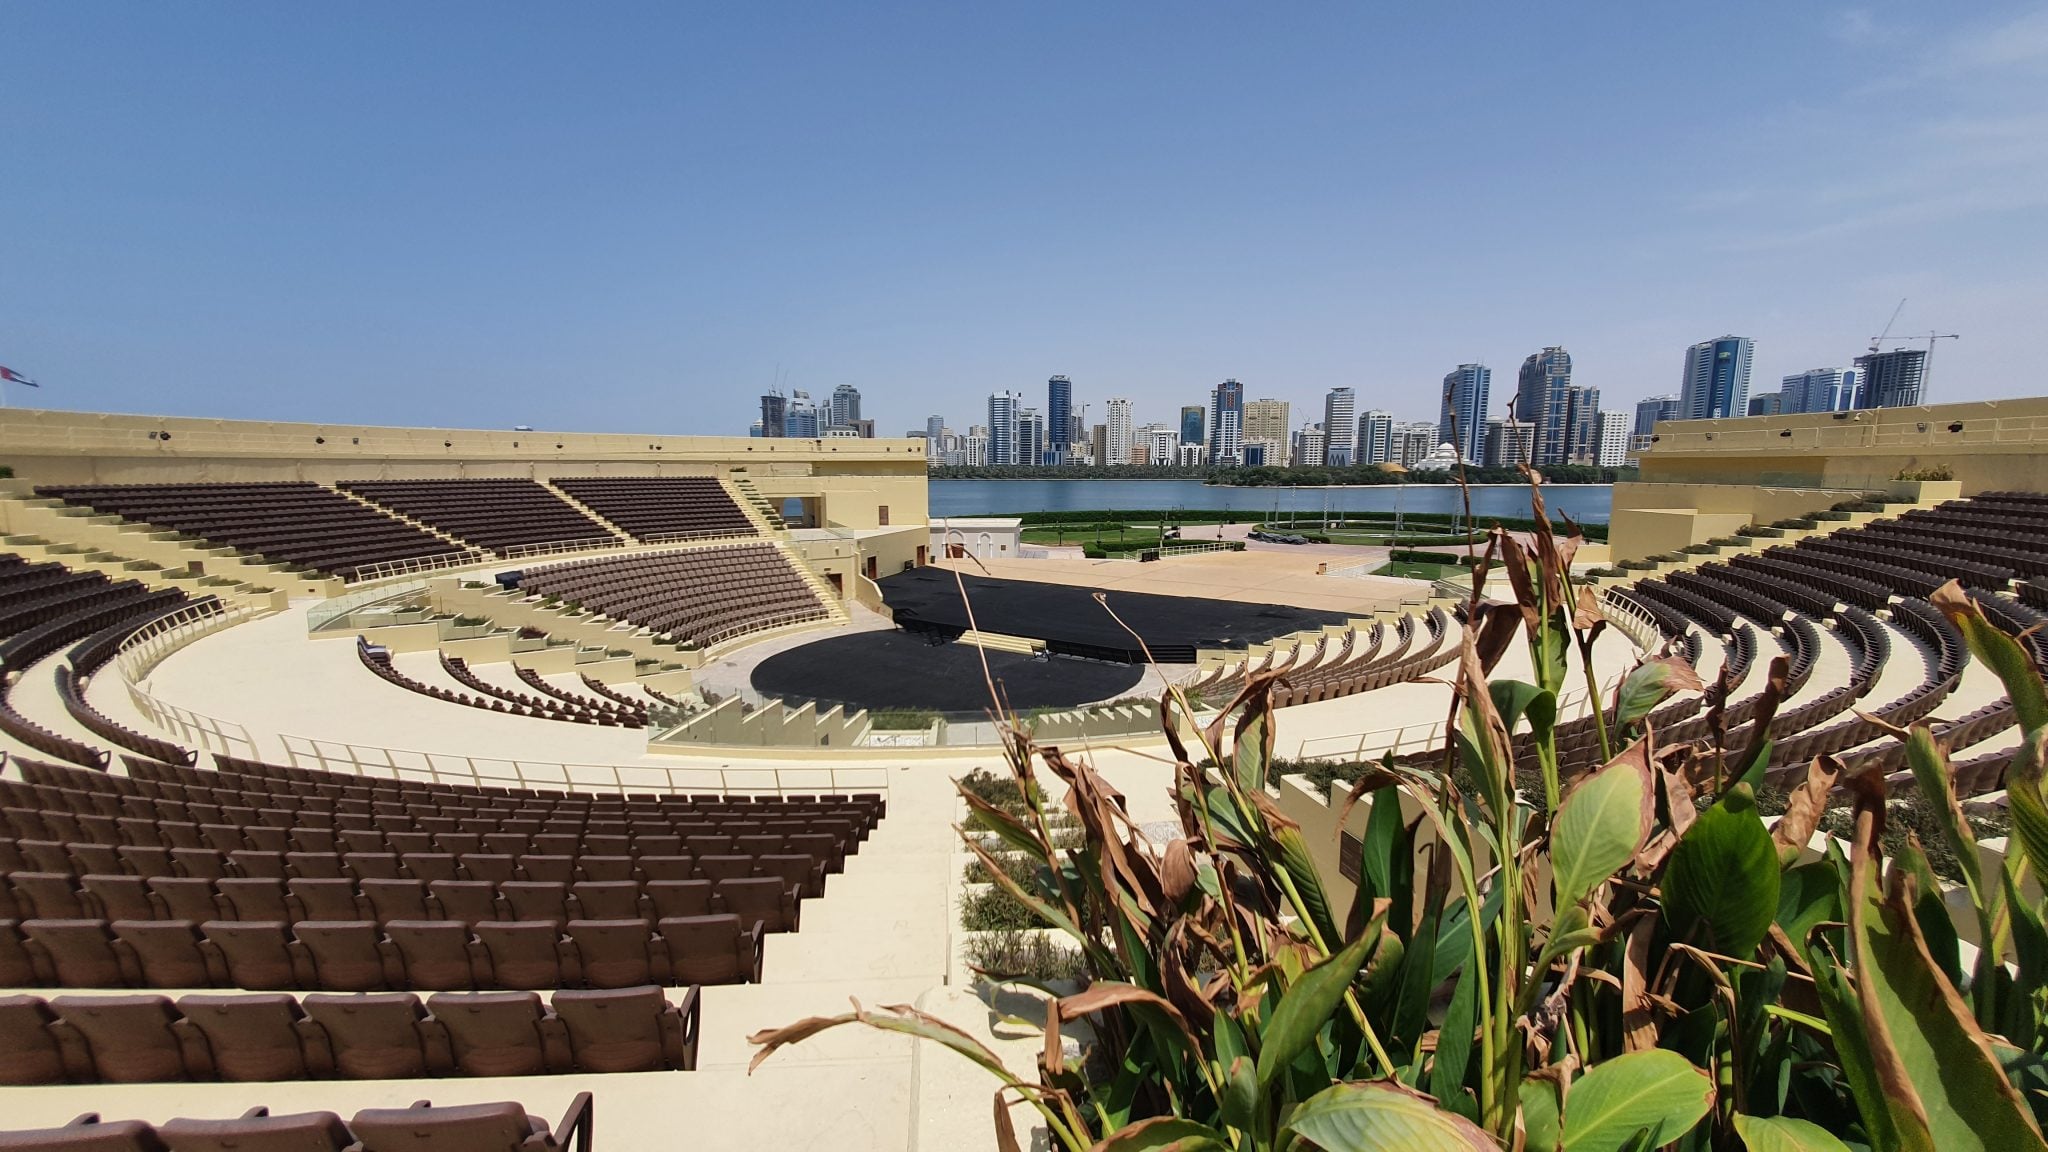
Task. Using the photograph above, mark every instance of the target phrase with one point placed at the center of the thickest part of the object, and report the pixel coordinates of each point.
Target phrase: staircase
(998, 642)
(757, 507)
(624, 536)
(429, 529)
(819, 585)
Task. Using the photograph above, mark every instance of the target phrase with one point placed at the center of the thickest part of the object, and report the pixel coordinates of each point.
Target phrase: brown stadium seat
(377, 1035)
(372, 865)
(666, 867)
(313, 865)
(758, 844)
(395, 899)
(668, 898)
(613, 953)
(223, 838)
(536, 900)
(249, 862)
(568, 843)
(513, 844)
(434, 955)
(522, 954)
(608, 899)
(429, 866)
(349, 956)
(47, 896)
(659, 844)
(200, 863)
(165, 953)
(763, 898)
(15, 969)
(320, 841)
(458, 844)
(248, 1038)
(819, 846)
(323, 898)
(255, 954)
(607, 845)
(712, 949)
(257, 1130)
(87, 1134)
(367, 841)
(146, 860)
(501, 1033)
(126, 1039)
(481, 1127)
(410, 843)
(806, 874)
(470, 902)
(252, 898)
(629, 1029)
(708, 845)
(717, 868)
(43, 856)
(489, 867)
(118, 897)
(29, 1053)
(605, 867)
(184, 898)
(548, 869)
(73, 953)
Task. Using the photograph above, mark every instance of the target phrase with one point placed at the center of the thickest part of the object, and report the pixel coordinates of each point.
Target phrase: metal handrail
(386, 569)
(556, 547)
(1369, 744)
(147, 646)
(480, 771)
(1631, 619)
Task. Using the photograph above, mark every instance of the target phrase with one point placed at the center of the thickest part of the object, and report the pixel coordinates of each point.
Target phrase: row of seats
(364, 955)
(497, 515)
(552, 702)
(658, 508)
(697, 596)
(366, 1036)
(496, 1127)
(607, 700)
(290, 522)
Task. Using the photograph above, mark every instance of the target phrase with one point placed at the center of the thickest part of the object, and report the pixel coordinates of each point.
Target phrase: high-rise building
(934, 429)
(1508, 442)
(1716, 379)
(1030, 436)
(1542, 399)
(1059, 418)
(1649, 411)
(1226, 424)
(1162, 445)
(845, 407)
(1098, 445)
(1309, 446)
(774, 415)
(1003, 408)
(1614, 429)
(974, 449)
(1340, 409)
(1375, 443)
(1820, 390)
(1267, 422)
(1582, 424)
(1892, 379)
(1192, 425)
(1119, 423)
(1416, 439)
(1463, 419)
(800, 419)
(1765, 404)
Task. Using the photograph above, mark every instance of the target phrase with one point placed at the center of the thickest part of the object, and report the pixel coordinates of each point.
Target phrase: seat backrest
(497, 1033)
(29, 1053)
(607, 899)
(548, 868)
(298, 1132)
(47, 895)
(707, 949)
(321, 898)
(467, 901)
(434, 955)
(185, 898)
(536, 900)
(253, 898)
(255, 954)
(396, 899)
(74, 953)
(523, 954)
(249, 1037)
(166, 953)
(620, 1030)
(375, 1036)
(346, 955)
(118, 897)
(128, 1038)
(479, 1127)
(678, 897)
(762, 898)
(612, 953)
(87, 1134)
(717, 868)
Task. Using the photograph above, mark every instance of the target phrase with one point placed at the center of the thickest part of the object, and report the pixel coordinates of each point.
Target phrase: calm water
(1587, 503)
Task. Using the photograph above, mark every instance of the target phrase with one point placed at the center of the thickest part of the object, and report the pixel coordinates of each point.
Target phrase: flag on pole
(12, 377)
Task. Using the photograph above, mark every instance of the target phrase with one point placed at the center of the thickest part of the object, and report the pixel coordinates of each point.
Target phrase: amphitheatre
(352, 766)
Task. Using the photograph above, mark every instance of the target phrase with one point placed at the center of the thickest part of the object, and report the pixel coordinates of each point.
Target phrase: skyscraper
(1375, 437)
(1892, 379)
(1030, 436)
(1765, 404)
(1226, 424)
(774, 415)
(1059, 418)
(1340, 408)
(1191, 425)
(1268, 422)
(1542, 402)
(1119, 424)
(1614, 429)
(934, 429)
(1309, 446)
(1508, 442)
(1002, 427)
(1162, 445)
(1582, 424)
(1716, 379)
(845, 410)
(1465, 400)
(800, 420)
(1649, 411)
(1820, 390)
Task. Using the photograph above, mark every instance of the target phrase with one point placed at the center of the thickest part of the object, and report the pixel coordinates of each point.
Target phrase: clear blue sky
(629, 217)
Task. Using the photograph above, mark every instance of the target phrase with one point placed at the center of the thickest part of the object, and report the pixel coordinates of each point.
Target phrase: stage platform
(1070, 621)
(900, 670)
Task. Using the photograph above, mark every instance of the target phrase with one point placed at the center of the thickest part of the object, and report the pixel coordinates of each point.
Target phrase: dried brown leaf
(1806, 806)
(1638, 1012)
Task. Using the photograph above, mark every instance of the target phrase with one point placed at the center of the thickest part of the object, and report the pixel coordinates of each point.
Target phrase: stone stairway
(395, 514)
(624, 536)
(757, 507)
(819, 585)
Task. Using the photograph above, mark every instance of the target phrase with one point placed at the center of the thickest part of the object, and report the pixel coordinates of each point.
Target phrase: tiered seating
(607, 702)
(698, 596)
(467, 1126)
(88, 656)
(498, 515)
(272, 879)
(291, 522)
(655, 508)
(376, 1036)
(492, 698)
(1419, 649)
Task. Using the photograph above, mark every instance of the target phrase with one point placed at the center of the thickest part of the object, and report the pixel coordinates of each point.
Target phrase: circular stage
(883, 670)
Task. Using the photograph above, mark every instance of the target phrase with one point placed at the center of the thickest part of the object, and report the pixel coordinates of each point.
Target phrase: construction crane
(1927, 365)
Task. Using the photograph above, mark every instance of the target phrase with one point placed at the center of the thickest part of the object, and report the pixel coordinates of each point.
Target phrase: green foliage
(1016, 953)
(1931, 472)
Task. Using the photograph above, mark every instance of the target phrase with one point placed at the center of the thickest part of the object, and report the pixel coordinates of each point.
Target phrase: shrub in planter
(1410, 556)
(1830, 516)
(1013, 954)
(1760, 531)
(1797, 523)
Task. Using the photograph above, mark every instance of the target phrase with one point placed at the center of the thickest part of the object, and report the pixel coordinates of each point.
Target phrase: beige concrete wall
(1649, 519)
(1990, 445)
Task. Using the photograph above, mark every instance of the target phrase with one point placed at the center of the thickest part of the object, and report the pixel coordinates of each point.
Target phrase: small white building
(1442, 459)
(986, 537)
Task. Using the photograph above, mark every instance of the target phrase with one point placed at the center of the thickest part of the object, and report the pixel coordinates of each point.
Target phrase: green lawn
(1414, 571)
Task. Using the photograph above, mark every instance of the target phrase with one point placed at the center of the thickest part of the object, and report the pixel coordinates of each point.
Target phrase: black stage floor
(1069, 620)
(900, 670)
